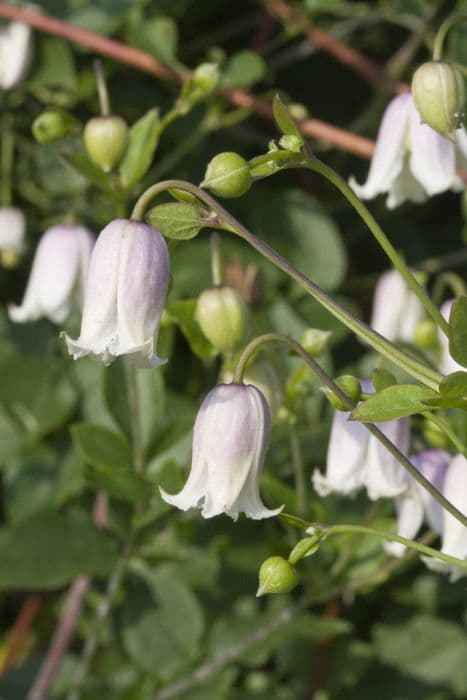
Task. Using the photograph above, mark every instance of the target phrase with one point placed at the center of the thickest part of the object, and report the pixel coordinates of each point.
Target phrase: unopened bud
(206, 76)
(52, 125)
(315, 341)
(228, 175)
(349, 385)
(276, 575)
(439, 95)
(304, 548)
(106, 140)
(223, 316)
(426, 334)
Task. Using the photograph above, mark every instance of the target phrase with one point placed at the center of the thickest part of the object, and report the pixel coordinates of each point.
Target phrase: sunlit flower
(411, 161)
(230, 438)
(357, 459)
(416, 502)
(58, 274)
(15, 54)
(12, 232)
(447, 362)
(453, 533)
(124, 296)
(396, 309)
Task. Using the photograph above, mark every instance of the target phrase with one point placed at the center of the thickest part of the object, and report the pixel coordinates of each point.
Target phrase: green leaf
(111, 461)
(50, 550)
(243, 69)
(56, 65)
(158, 36)
(382, 379)
(454, 386)
(178, 220)
(183, 314)
(284, 119)
(458, 331)
(142, 143)
(394, 402)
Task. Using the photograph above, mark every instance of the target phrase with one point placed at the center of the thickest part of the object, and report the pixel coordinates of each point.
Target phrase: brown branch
(372, 71)
(116, 50)
(21, 626)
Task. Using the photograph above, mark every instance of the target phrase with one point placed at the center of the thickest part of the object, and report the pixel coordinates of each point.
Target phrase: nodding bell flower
(12, 230)
(411, 161)
(230, 438)
(412, 506)
(15, 54)
(453, 533)
(356, 458)
(124, 295)
(447, 363)
(58, 274)
(396, 309)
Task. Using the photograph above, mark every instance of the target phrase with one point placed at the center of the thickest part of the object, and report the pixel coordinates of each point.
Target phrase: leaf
(110, 460)
(382, 379)
(458, 331)
(243, 69)
(183, 314)
(178, 220)
(50, 550)
(454, 385)
(143, 138)
(158, 36)
(394, 402)
(284, 119)
(56, 66)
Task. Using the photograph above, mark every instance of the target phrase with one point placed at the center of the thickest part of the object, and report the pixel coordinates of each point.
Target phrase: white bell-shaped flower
(124, 296)
(453, 534)
(12, 230)
(447, 362)
(416, 503)
(396, 309)
(58, 274)
(230, 438)
(15, 54)
(411, 161)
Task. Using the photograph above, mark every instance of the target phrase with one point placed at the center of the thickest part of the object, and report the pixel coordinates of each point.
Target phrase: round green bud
(350, 386)
(52, 125)
(276, 575)
(426, 334)
(434, 436)
(223, 317)
(228, 175)
(106, 140)
(315, 341)
(439, 95)
(206, 76)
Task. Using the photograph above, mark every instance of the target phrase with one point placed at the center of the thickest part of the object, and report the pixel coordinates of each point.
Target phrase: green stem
(216, 259)
(446, 429)
(450, 280)
(103, 93)
(411, 281)
(253, 346)
(423, 549)
(411, 365)
(442, 33)
(6, 164)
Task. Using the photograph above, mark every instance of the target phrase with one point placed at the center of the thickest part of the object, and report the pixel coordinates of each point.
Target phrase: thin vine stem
(418, 370)
(102, 91)
(442, 33)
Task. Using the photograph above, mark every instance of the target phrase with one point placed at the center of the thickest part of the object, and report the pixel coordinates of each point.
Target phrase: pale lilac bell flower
(356, 459)
(15, 54)
(411, 161)
(58, 274)
(124, 295)
(12, 230)
(416, 504)
(396, 309)
(453, 533)
(447, 363)
(230, 439)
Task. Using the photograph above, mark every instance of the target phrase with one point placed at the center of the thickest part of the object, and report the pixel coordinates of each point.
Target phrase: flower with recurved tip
(58, 274)
(230, 438)
(124, 296)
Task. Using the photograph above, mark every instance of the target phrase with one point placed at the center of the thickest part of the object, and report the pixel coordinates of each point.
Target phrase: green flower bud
(276, 575)
(315, 341)
(106, 140)
(426, 334)
(228, 175)
(52, 125)
(439, 96)
(349, 385)
(223, 316)
(206, 76)
(304, 548)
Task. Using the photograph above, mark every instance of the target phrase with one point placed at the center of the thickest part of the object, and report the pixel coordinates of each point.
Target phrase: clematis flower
(230, 438)
(412, 506)
(396, 309)
(12, 230)
(58, 274)
(357, 459)
(124, 296)
(411, 161)
(453, 533)
(15, 54)
(447, 363)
